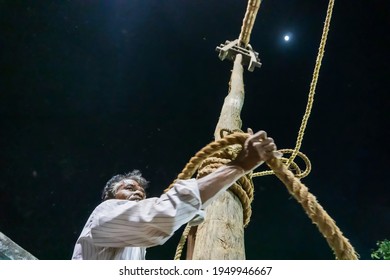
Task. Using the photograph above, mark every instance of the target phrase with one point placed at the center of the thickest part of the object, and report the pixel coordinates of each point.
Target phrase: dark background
(89, 89)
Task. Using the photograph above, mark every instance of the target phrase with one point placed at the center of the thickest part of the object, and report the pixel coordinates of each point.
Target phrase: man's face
(130, 190)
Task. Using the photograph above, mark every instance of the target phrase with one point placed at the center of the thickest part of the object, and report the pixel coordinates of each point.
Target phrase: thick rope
(207, 151)
(243, 188)
(215, 155)
(326, 225)
(249, 21)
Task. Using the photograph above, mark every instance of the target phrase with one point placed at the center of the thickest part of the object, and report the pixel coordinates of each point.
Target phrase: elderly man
(126, 222)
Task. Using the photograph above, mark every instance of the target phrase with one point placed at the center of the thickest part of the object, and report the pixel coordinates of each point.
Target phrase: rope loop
(293, 166)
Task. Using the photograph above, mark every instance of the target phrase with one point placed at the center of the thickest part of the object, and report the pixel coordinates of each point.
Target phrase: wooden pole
(221, 236)
(231, 109)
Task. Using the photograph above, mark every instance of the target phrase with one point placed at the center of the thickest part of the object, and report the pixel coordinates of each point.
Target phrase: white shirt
(122, 229)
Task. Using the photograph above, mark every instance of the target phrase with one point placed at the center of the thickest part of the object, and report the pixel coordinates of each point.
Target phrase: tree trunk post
(221, 235)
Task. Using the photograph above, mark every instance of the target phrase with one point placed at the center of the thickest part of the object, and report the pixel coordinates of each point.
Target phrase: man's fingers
(263, 144)
(258, 145)
(259, 135)
(250, 131)
(266, 141)
(271, 147)
(277, 154)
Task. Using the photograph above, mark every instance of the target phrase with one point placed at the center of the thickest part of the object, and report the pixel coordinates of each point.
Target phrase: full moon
(286, 38)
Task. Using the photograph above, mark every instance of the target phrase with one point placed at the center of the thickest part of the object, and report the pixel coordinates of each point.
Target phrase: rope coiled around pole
(215, 155)
(340, 245)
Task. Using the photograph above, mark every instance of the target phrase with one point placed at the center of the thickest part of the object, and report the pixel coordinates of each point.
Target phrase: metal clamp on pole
(229, 50)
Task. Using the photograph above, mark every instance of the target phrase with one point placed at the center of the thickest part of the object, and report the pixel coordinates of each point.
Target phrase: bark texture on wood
(221, 236)
(231, 109)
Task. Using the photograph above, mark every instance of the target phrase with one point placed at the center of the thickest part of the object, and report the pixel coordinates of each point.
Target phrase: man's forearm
(218, 181)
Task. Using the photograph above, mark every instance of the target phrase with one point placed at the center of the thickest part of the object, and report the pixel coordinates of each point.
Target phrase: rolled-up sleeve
(149, 222)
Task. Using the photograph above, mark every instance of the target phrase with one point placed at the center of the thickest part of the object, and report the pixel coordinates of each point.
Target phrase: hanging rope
(313, 85)
(249, 21)
(325, 224)
(182, 242)
(309, 106)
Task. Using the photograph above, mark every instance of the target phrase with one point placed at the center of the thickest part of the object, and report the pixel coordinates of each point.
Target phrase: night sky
(90, 89)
